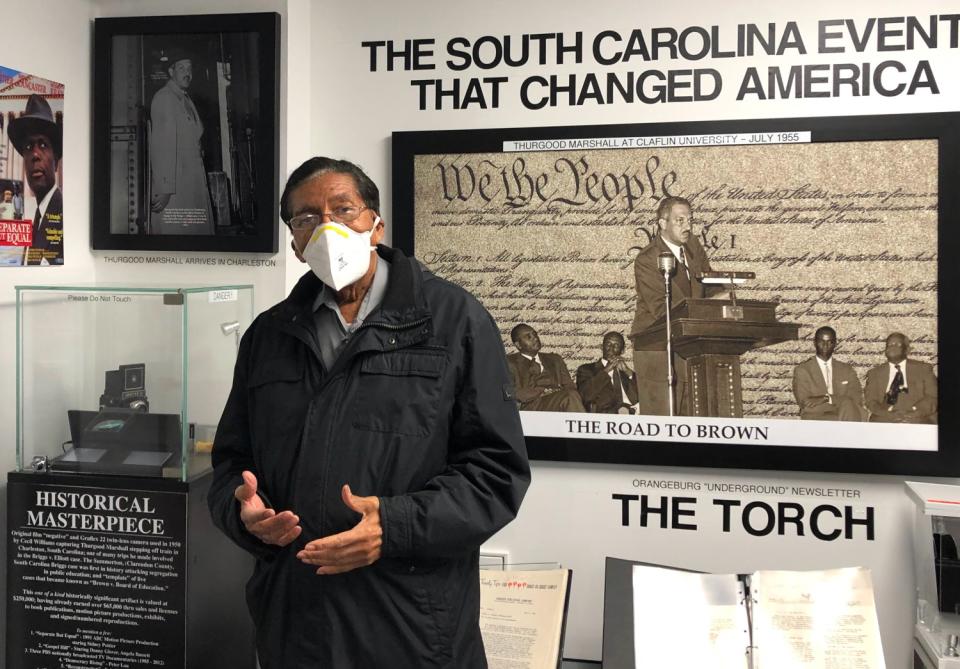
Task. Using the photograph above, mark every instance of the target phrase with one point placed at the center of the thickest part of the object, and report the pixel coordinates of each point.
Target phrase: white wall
(569, 516)
(332, 104)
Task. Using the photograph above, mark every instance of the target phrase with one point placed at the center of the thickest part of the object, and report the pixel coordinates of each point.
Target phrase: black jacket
(417, 410)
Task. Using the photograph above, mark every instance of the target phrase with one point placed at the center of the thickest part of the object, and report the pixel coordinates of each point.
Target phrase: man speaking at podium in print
(675, 225)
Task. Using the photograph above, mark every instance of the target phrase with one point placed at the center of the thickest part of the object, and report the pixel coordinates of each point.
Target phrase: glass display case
(936, 532)
(124, 380)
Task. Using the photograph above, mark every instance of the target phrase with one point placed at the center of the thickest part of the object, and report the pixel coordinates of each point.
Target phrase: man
(675, 227)
(902, 390)
(369, 445)
(608, 385)
(17, 203)
(541, 380)
(7, 211)
(179, 198)
(824, 387)
(38, 138)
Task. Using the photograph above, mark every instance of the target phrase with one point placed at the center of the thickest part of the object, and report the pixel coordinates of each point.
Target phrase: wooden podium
(711, 335)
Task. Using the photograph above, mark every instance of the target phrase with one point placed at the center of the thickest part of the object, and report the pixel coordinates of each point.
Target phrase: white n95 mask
(338, 255)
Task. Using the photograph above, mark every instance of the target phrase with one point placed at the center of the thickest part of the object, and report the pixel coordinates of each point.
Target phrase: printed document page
(686, 619)
(816, 620)
(521, 617)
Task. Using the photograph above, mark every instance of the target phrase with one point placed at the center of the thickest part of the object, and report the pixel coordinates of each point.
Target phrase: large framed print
(185, 133)
(803, 258)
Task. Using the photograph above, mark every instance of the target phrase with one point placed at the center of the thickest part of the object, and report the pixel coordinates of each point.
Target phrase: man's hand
(815, 401)
(265, 524)
(547, 384)
(619, 363)
(623, 366)
(357, 547)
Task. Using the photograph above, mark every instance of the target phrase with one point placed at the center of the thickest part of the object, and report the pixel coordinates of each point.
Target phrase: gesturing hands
(356, 547)
(335, 554)
(270, 527)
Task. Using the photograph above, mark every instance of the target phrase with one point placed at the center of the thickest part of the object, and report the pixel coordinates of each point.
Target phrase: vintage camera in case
(126, 388)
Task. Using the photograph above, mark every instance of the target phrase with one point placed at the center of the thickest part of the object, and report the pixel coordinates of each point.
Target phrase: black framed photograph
(756, 294)
(185, 133)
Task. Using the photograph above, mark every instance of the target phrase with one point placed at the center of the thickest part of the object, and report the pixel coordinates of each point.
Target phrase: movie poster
(31, 170)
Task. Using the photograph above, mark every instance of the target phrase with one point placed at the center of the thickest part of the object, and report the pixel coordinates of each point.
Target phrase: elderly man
(608, 385)
(542, 380)
(179, 199)
(824, 387)
(39, 139)
(901, 390)
(368, 447)
(675, 226)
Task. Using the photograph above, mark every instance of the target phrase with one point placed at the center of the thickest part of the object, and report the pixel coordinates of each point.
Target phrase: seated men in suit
(901, 390)
(541, 380)
(608, 385)
(825, 388)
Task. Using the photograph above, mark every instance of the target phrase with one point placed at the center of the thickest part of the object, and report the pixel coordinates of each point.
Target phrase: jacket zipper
(391, 326)
(337, 404)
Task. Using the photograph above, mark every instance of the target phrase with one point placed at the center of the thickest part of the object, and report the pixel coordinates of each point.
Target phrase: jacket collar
(403, 303)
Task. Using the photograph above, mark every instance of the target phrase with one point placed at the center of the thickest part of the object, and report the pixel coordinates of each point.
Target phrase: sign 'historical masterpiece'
(96, 577)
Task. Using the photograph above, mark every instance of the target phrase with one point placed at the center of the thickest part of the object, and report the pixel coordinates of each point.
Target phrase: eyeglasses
(345, 214)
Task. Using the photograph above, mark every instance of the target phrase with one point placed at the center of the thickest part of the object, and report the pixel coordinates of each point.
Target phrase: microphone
(667, 263)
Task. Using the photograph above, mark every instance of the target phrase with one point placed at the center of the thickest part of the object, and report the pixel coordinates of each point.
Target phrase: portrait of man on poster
(179, 197)
(197, 169)
(38, 138)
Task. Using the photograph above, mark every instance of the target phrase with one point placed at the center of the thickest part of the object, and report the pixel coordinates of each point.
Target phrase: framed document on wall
(803, 258)
(185, 135)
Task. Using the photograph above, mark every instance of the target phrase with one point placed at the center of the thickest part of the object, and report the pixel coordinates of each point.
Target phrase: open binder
(764, 620)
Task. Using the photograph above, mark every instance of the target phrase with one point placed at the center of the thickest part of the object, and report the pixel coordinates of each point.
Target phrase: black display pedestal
(115, 571)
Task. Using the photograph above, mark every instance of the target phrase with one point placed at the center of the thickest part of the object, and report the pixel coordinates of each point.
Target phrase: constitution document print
(798, 231)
